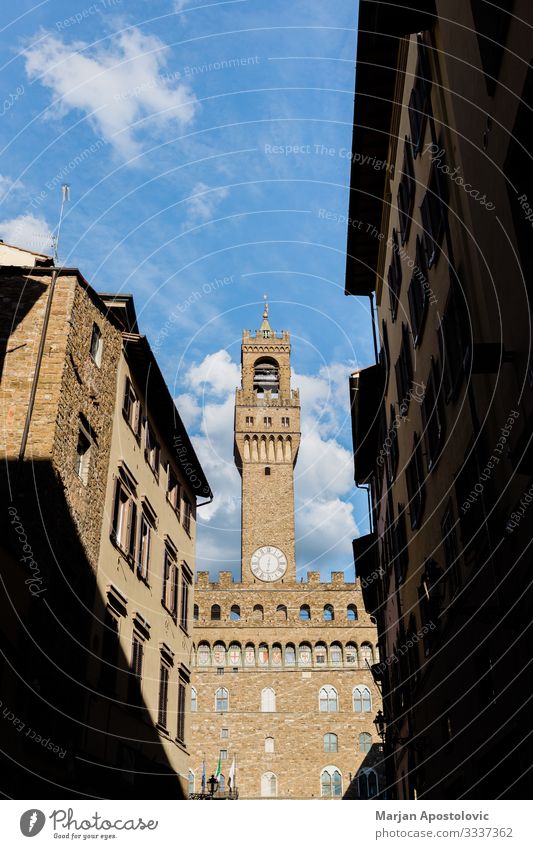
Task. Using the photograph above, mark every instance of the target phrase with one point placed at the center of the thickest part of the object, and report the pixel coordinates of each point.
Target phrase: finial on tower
(265, 328)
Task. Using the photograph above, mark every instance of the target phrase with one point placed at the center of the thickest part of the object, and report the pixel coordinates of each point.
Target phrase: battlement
(258, 336)
(226, 581)
(245, 398)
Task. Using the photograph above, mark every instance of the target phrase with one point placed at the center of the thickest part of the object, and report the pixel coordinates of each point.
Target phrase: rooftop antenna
(65, 192)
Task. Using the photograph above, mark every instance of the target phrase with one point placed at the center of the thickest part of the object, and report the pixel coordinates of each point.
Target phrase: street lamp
(379, 722)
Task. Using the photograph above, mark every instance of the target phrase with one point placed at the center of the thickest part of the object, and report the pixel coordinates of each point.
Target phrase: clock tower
(267, 438)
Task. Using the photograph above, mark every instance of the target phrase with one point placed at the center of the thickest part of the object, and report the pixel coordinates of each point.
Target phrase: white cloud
(7, 184)
(325, 524)
(324, 531)
(216, 374)
(116, 84)
(202, 203)
(188, 409)
(27, 231)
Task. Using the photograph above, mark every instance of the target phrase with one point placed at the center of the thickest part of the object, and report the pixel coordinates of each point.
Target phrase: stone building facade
(283, 699)
(100, 483)
(440, 235)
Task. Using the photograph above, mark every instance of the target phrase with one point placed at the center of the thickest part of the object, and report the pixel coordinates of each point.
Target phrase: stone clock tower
(267, 438)
(283, 700)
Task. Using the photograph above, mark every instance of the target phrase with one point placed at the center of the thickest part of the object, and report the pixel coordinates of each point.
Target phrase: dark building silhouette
(440, 241)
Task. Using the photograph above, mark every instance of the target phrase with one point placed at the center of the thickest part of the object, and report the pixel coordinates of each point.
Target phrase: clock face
(268, 563)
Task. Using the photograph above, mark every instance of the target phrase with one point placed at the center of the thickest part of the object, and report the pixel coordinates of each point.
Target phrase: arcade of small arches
(281, 613)
(262, 449)
(290, 655)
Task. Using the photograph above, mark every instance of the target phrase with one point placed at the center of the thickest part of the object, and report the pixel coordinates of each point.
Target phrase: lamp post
(380, 724)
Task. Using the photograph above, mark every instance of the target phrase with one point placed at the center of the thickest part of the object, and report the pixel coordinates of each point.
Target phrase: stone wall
(297, 725)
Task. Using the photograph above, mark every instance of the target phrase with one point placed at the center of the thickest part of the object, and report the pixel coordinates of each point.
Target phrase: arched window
(268, 700)
(221, 700)
(351, 613)
(235, 613)
(305, 613)
(329, 614)
(234, 654)
(281, 613)
(215, 613)
(269, 744)
(367, 784)
(219, 654)
(321, 654)
(366, 655)
(266, 375)
(362, 700)
(304, 654)
(331, 743)
(328, 699)
(269, 785)
(351, 654)
(191, 782)
(277, 655)
(258, 613)
(365, 742)
(331, 782)
(195, 613)
(204, 654)
(335, 653)
(262, 654)
(290, 656)
(249, 655)
(194, 700)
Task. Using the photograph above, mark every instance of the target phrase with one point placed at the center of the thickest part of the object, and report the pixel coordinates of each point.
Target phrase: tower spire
(265, 328)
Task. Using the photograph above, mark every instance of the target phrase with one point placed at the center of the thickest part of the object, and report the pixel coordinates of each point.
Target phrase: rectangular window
(187, 515)
(173, 492)
(163, 696)
(223, 754)
(169, 596)
(451, 549)
(135, 679)
(415, 484)
(145, 541)
(285, 421)
(420, 99)
(186, 581)
(182, 700)
(96, 345)
(434, 211)
(267, 421)
(351, 655)
(406, 192)
(152, 450)
(394, 276)
(433, 416)
(391, 446)
(131, 408)
(124, 520)
(454, 339)
(224, 733)
(418, 293)
(401, 551)
(249, 420)
(83, 456)
(110, 645)
(404, 371)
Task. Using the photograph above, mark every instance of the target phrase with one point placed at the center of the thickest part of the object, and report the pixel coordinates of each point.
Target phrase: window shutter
(131, 527)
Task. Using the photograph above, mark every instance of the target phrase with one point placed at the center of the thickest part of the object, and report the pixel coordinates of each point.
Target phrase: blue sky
(202, 143)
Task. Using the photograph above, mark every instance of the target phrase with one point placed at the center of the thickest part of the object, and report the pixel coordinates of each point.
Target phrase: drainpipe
(40, 352)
